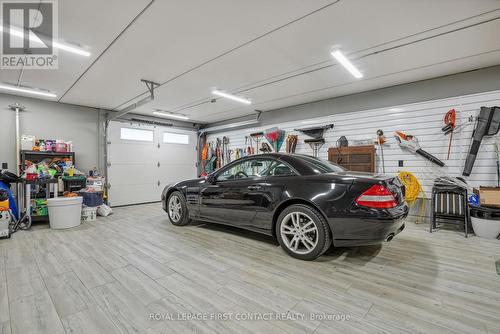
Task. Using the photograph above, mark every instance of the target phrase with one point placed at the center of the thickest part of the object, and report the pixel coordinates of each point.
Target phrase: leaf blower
(411, 144)
(449, 126)
(488, 124)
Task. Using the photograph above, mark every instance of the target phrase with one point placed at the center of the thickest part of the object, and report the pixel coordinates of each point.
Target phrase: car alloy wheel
(299, 233)
(175, 209)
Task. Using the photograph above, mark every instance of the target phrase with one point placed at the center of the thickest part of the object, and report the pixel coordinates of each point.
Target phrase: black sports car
(304, 202)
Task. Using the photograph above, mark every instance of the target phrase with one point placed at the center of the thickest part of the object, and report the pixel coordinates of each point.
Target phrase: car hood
(188, 183)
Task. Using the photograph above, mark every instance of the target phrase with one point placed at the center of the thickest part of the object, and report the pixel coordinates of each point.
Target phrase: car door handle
(254, 187)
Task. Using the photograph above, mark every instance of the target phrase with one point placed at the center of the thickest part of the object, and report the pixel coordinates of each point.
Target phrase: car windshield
(321, 166)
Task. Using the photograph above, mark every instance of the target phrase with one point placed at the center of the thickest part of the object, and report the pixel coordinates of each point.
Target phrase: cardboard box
(489, 196)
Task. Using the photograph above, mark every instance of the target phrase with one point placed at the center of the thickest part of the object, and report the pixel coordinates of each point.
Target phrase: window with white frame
(136, 134)
(175, 138)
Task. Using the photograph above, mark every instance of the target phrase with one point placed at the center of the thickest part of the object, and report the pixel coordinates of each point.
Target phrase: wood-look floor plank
(88, 321)
(126, 311)
(140, 285)
(68, 294)
(5, 327)
(24, 281)
(35, 314)
(90, 273)
(148, 265)
(49, 264)
(4, 297)
(108, 259)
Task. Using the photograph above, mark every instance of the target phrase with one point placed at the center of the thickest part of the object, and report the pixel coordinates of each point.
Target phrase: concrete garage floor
(113, 275)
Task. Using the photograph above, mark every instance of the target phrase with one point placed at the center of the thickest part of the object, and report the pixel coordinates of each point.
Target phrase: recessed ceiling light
(27, 90)
(231, 97)
(56, 44)
(163, 114)
(347, 64)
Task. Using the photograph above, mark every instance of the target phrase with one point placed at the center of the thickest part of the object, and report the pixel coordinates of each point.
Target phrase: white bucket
(486, 228)
(89, 214)
(64, 212)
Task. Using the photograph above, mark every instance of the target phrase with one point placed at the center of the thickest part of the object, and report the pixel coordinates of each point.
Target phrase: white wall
(46, 119)
(423, 119)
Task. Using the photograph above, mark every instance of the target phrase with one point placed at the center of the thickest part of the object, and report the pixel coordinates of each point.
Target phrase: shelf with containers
(40, 187)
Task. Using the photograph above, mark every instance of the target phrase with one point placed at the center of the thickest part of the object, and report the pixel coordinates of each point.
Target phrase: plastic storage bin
(485, 222)
(92, 198)
(64, 212)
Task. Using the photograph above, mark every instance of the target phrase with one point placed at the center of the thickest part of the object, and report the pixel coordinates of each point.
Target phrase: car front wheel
(177, 209)
(303, 232)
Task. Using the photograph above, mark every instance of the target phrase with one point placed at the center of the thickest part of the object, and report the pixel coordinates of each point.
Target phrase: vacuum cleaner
(488, 124)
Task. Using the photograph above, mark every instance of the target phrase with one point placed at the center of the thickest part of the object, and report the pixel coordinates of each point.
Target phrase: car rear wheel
(177, 209)
(303, 232)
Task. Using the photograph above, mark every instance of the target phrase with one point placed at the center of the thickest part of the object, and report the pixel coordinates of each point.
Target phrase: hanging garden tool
(256, 136)
(316, 133)
(411, 144)
(449, 127)
(245, 147)
(381, 141)
(291, 143)
(497, 149)
(249, 148)
(265, 148)
(225, 152)
(281, 139)
(488, 124)
(218, 155)
(273, 135)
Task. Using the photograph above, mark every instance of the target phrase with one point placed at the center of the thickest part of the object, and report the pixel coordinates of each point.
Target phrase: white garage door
(144, 158)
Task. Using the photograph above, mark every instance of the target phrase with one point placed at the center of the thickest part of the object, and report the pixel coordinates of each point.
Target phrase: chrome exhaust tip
(389, 237)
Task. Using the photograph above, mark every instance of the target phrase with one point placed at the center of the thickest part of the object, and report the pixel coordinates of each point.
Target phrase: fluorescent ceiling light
(27, 90)
(229, 126)
(69, 48)
(231, 97)
(347, 64)
(170, 115)
(56, 44)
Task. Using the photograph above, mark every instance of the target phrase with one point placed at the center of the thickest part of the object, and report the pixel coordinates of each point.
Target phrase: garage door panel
(124, 152)
(139, 170)
(176, 173)
(126, 194)
(179, 152)
(142, 173)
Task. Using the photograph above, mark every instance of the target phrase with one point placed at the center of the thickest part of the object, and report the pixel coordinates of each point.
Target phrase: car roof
(298, 161)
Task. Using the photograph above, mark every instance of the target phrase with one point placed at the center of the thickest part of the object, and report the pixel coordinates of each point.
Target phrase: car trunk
(392, 183)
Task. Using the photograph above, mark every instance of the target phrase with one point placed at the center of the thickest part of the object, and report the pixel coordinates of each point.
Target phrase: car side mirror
(210, 179)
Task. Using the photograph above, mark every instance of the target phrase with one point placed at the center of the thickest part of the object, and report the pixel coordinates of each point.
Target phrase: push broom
(272, 136)
(256, 136)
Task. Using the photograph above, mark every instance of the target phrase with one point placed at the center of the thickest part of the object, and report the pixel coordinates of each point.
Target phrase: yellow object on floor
(412, 190)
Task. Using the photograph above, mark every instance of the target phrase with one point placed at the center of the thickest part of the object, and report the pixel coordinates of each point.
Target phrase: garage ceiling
(277, 53)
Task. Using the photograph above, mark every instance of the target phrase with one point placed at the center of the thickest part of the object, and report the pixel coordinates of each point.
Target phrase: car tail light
(378, 197)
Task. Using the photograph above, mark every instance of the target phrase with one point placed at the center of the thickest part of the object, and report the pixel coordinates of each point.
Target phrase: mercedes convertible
(304, 202)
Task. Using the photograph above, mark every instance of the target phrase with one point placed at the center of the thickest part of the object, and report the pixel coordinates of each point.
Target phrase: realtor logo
(28, 33)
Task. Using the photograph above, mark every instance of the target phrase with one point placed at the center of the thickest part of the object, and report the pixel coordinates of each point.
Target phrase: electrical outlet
(400, 163)
(5, 165)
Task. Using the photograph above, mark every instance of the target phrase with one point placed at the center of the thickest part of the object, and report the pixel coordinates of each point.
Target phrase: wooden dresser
(355, 158)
